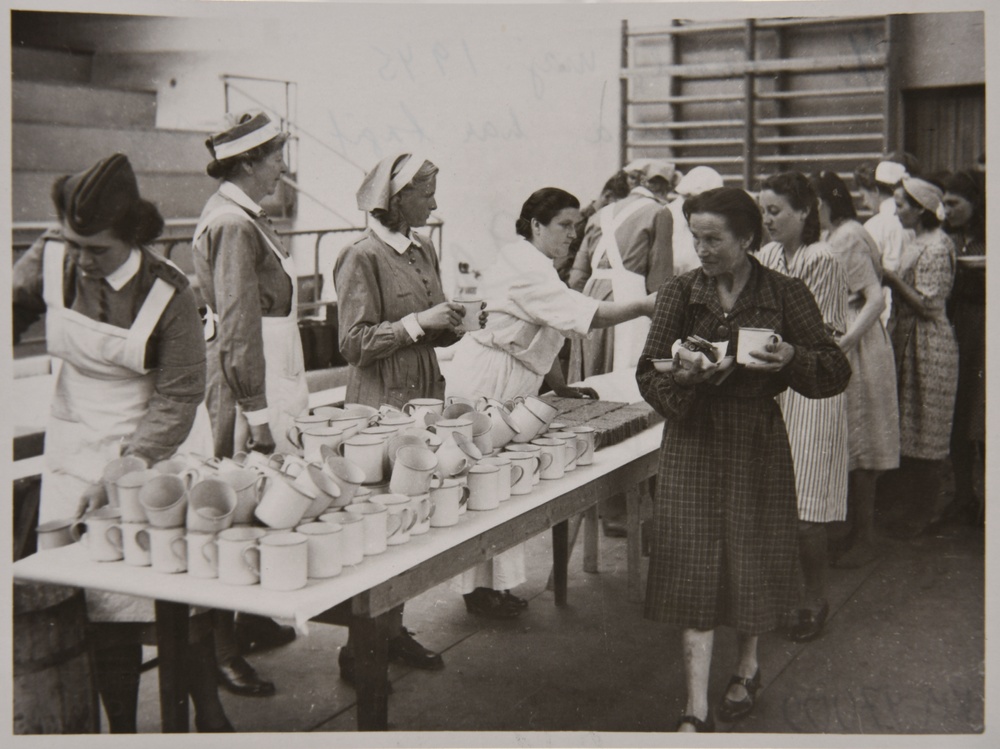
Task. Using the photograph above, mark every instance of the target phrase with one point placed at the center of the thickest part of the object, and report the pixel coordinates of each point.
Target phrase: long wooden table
(371, 589)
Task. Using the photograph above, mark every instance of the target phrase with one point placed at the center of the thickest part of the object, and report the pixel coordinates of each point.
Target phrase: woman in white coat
(531, 312)
(124, 325)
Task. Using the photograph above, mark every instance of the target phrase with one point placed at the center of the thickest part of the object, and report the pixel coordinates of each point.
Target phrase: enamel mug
(528, 462)
(281, 560)
(352, 535)
(98, 531)
(449, 500)
(484, 487)
(323, 549)
(397, 505)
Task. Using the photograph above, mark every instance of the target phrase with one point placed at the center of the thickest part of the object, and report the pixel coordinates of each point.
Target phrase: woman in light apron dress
(531, 313)
(123, 324)
(256, 372)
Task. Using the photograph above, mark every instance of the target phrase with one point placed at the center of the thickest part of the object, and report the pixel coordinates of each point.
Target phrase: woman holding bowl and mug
(256, 371)
(817, 427)
(724, 541)
(531, 313)
(124, 323)
(392, 314)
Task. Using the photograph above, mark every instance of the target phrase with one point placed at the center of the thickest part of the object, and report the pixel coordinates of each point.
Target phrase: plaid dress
(725, 549)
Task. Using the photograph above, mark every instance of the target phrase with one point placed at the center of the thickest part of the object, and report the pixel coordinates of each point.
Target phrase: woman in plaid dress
(724, 546)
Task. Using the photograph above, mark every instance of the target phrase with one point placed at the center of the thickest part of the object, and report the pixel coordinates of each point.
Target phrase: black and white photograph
(499, 374)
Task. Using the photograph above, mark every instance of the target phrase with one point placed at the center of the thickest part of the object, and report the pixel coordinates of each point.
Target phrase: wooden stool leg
(574, 530)
(560, 560)
(633, 522)
(171, 642)
(370, 641)
(591, 547)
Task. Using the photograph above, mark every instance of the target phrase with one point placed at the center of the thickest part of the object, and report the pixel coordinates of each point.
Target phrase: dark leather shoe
(258, 633)
(237, 676)
(700, 726)
(810, 625)
(514, 601)
(405, 649)
(730, 710)
(491, 604)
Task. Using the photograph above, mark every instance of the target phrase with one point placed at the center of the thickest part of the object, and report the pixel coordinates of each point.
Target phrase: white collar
(125, 272)
(399, 242)
(239, 197)
(888, 207)
(645, 192)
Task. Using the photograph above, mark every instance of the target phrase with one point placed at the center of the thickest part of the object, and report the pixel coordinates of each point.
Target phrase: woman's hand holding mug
(441, 316)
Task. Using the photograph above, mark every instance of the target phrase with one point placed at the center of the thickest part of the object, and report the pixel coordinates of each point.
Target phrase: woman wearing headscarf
(392, 313)
(925, 348)
(724, 521)
(256, 371)
(872, 410)
(124, 324)
(531, 313)
(817, 428)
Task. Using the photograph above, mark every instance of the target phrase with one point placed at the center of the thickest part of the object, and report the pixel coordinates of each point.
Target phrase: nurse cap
(90, 202)
(699, 180)
(251, 130)
(890, 173)
(636, 165)
(665, 170)
(389, 176)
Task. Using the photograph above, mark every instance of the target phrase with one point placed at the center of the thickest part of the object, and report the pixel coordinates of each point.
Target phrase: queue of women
(753, 466)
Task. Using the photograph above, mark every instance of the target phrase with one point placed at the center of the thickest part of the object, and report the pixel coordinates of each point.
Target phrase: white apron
(284, 364)
(626, 286)
(102, 392)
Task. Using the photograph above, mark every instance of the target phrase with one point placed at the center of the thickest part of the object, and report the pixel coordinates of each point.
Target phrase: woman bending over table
(531, 312)
(724, 525)
(123, 321)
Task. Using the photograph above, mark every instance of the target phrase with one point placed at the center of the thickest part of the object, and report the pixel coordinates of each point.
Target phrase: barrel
(54, 689)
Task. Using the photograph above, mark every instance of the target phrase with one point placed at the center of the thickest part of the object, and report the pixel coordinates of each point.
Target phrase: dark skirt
(725, 546)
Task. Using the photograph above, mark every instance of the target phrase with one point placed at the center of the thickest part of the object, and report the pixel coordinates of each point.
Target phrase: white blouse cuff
(413, 327)
(256, 418)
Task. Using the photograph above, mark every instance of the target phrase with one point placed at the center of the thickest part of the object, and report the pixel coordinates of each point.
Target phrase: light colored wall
(943, 49)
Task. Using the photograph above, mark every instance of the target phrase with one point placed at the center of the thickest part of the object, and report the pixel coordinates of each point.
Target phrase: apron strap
(53, 255)
(610, 223)
(145, 322)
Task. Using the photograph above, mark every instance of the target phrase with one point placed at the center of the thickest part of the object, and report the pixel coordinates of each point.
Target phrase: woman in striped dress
(817, 429)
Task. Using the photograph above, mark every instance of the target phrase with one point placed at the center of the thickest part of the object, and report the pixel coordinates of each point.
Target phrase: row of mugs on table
(491, 424)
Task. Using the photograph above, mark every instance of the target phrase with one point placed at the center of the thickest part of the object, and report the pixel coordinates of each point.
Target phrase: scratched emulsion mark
(893, 708)
(388, 135)
(505, 128)
(443, 58)
(551, 64)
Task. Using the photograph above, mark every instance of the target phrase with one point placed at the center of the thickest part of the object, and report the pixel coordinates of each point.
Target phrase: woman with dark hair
(925, 347)
(256, 369)
(124, 324)
(965, 224)
(392, 314)
(872, 410)
(531, 313)
(724, 521)
(817, 428)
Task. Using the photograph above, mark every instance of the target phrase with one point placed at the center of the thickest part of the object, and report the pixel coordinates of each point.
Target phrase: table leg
(171, 644)
(633, 522)
(370, 640)
(560, 560)
(591, 548)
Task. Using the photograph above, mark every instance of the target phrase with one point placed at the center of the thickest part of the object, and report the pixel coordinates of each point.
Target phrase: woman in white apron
(124, 325)
(531, 312)
(256, 372)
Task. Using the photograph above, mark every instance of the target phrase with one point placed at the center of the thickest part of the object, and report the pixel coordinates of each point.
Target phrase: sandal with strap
(700, 726)
(731, 710)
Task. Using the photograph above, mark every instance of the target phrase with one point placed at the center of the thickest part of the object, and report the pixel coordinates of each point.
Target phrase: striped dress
(817, 429)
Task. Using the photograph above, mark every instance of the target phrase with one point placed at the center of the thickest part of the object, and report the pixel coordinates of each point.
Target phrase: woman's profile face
(268, 170)
(417, 201)
(719, 249)
(784, 223)
(97, 255)
(957, 210)
(555, 239)
(908, 213)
